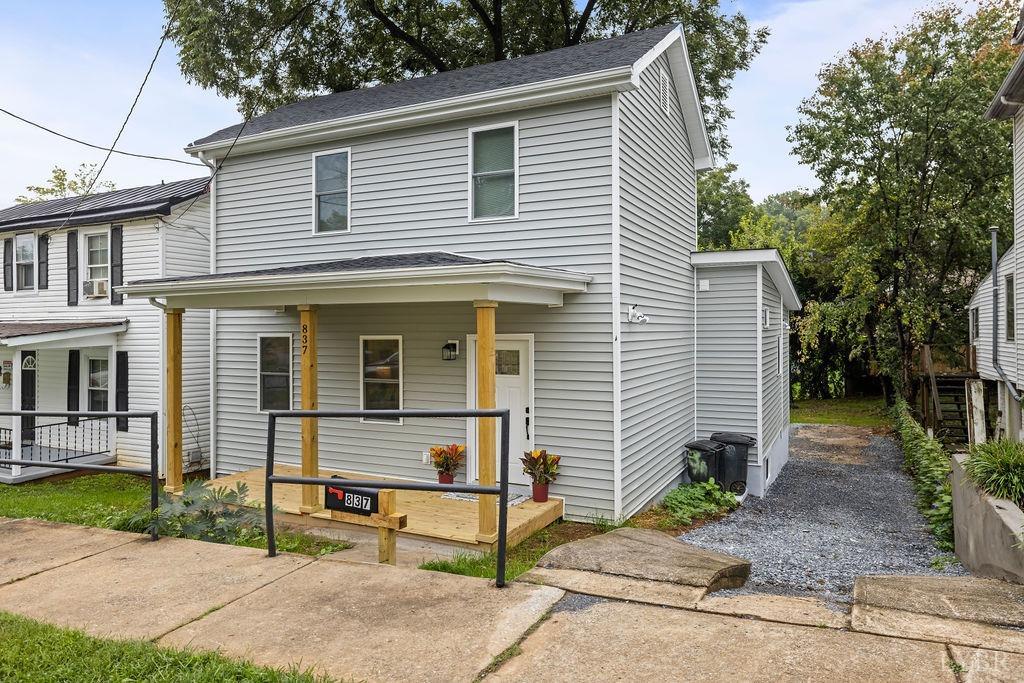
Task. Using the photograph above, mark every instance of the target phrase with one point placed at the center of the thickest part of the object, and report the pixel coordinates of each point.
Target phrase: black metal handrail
(153, 471)
(501, 490)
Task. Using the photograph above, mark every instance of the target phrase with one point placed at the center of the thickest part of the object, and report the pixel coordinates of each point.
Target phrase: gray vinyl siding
(186, 247)
(771, 382)
(142, 252)
(410, 193)
(727, 353)
(657, 235)
(982, 299)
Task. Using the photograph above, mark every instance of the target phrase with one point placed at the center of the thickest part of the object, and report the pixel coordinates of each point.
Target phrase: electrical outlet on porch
(426, 457)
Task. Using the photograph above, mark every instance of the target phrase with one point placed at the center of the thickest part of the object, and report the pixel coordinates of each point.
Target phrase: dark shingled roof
(423, 259)
(19, 329)
(598, 55)
(134, 202)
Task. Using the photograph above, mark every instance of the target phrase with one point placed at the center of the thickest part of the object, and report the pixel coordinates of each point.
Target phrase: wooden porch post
(308, 317)
(486, 466)
(172, 388)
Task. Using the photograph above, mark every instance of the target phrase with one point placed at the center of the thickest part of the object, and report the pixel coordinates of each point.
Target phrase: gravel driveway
(840, 508)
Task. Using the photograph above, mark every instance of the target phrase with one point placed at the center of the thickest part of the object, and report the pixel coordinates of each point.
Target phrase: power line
(94, 146)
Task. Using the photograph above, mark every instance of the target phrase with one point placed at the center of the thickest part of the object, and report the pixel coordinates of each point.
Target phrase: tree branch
(493, 26)
(412, 41)
(581, 25)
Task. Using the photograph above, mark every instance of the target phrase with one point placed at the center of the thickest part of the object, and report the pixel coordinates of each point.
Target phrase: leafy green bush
(218, 515)
(698, 501)
(929, 465)
(997, 467)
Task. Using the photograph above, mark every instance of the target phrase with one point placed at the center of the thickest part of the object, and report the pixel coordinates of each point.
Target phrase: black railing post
(503, 502)
(268, 485)
(154, 473)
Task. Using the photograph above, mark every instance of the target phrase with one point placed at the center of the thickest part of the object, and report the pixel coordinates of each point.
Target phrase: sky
(75, 66)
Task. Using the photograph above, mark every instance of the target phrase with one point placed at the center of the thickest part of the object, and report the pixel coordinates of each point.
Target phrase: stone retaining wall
(987, 530)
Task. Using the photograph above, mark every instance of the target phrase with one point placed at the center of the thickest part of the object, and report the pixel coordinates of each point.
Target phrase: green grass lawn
(110, 501)
(32, 651)
(855, 412)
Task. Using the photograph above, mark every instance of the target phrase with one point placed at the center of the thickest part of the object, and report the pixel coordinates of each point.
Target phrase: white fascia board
(496, 273)
(686, 88)
(83, 336)
(502, 100)
(771, 259)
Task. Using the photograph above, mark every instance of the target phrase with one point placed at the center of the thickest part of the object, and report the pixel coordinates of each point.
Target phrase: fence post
(268, 485)
(154, 471)
(503, 502)
(387, 537)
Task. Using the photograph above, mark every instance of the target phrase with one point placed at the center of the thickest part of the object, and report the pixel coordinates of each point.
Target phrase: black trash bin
(732, 464)
(702, 459)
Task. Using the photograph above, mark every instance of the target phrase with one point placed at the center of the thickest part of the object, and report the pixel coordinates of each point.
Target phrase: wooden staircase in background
(944, 398)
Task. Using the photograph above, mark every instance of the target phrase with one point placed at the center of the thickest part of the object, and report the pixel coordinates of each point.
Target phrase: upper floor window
(25, 261)
(1011, 309)
(97, 265)
(493, 187)
(331, 189)
(975, 323)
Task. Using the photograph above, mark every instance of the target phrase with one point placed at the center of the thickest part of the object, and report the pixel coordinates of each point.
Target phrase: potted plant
(446, 459)
(543, 469)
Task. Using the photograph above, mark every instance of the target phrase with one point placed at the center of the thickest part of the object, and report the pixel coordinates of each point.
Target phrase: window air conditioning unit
(95, 289)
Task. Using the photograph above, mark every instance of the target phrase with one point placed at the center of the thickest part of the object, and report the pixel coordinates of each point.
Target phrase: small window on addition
(275, 371)
(1011, 309)
(382, 374)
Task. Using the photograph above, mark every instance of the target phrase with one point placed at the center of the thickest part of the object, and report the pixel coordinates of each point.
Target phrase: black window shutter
(116, 264)
(121, 389)
(74, 375)
(9, 265)
(72, 268)
(44, 261)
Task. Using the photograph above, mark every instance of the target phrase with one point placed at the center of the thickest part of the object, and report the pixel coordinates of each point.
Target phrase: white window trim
(401, 376)
(514, 125)
(766, 317)
(35, 263)
(312, 174)
(84, 371)
(259, 369)
(664, 90)
(1009, 289)
(83, 266)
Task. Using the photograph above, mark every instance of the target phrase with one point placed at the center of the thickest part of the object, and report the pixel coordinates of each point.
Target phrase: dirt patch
(660, 519)
(831, 443)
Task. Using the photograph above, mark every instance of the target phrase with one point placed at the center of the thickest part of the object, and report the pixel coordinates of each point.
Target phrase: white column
(16, 405)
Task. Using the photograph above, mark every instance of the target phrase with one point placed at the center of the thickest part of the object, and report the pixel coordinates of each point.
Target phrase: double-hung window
(97, 265)
(1011, 309)
(331, 185)
(381, 373)
(493, 185)
(25, 261)
(98, 386)
(275, 372)
(975, 323)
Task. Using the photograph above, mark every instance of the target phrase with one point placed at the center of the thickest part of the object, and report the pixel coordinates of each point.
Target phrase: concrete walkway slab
(782, 608)
(624, 642)
(32, 545)
(373, 622)
(900, 624)
(144, 589)
(987, 601)
(649, 555)
(618, 587)
(987, 666)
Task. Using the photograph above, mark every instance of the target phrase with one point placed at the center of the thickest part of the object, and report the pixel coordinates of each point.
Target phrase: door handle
(527, 424)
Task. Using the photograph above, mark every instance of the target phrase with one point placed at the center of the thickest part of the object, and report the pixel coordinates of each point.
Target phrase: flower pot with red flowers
(543, 469)
(446, 459)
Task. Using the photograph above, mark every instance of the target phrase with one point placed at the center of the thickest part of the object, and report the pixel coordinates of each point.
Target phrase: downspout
(995, 316)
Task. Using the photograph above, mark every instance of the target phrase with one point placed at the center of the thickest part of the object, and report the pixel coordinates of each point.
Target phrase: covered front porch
(57, 366)
(324, 308)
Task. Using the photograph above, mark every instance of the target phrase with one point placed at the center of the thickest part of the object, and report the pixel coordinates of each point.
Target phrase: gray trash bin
(702, 458)
(732, 464)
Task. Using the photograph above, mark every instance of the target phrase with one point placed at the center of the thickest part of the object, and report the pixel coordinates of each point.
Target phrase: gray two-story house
(70, 342)
(518, 233)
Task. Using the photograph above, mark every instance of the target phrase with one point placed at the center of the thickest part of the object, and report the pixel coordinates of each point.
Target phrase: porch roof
(393, 278)
(59, 334)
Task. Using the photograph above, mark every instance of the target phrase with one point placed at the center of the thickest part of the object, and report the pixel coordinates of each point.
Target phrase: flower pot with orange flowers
(543, 469)
(446, 460)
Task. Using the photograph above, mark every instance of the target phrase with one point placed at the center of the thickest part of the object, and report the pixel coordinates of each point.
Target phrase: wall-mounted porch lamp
(450, 351)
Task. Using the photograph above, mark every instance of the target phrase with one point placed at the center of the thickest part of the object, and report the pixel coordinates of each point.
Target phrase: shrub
(698, 501)
(218, 515)
(929, 466)
(997, 467)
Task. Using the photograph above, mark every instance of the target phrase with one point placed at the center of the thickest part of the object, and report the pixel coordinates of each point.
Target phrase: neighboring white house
(69, 341)
(554, 194)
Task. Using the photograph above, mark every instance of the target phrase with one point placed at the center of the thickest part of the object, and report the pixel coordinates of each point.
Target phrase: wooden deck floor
(429, 515)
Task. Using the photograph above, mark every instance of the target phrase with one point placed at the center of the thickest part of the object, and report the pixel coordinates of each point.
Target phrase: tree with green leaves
(61, 184)
(271, 52)
(913, 176)
(723, 200)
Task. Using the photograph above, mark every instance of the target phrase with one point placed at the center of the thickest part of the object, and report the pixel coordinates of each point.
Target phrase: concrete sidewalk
(366, 622)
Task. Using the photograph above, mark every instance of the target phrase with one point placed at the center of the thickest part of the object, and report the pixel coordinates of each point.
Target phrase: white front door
(513, 367)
